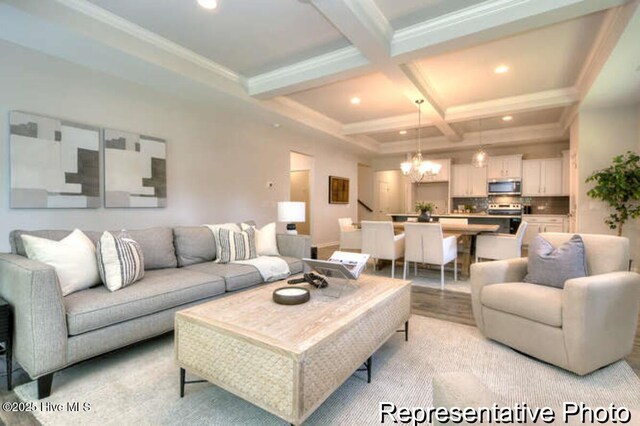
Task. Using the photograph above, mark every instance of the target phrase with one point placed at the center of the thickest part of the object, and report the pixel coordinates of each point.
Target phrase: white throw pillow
(266, 240)
(73, 258)
(120, 261)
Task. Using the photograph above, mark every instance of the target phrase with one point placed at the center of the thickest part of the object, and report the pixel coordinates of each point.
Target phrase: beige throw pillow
(73, 258)
(266, 240)
(120, 261)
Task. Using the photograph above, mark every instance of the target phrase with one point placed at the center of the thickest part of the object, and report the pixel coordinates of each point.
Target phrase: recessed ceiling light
(355, 100)
(208, 4)
(507, 118)
(403, 132)
(501, 69)
(276, 125)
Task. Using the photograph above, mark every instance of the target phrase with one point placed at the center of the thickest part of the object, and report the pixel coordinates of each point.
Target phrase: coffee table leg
(369, 368)
(182, 377)
(406, 331)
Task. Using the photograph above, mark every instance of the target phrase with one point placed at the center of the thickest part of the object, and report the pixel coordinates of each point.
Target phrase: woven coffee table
(289, 359)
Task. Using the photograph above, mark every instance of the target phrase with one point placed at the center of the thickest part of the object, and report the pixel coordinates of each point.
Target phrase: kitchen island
(508, 223)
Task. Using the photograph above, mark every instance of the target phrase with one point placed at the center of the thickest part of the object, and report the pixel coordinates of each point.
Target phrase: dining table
(465, 233)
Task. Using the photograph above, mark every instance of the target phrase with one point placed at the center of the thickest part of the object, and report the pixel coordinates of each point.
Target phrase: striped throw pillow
(231, 245)
(120, 261)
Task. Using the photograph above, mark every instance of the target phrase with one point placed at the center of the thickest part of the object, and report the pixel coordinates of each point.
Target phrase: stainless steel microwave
(504, 187)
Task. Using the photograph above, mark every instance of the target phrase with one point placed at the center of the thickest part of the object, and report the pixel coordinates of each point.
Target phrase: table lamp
(290, 212)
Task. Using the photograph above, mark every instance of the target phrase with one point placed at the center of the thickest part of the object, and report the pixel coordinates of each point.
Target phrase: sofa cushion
(238, 276)
(194, 244)
(156, 243)
(161, 289)
(157, 247)
(531, 301)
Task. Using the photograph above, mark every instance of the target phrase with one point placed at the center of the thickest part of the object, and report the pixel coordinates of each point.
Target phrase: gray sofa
(52, 332)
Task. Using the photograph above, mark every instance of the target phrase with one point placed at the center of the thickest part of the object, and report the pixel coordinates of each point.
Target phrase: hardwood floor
(456, 307)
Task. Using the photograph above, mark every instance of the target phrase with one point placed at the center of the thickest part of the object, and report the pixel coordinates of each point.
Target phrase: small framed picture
(338, 190)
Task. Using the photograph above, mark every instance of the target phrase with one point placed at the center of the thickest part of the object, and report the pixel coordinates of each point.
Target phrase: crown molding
(292, 78)
(108, 18)
(512, 136)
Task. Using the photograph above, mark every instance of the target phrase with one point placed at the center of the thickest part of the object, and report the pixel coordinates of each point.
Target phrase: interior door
(301, 191)
(384, 199)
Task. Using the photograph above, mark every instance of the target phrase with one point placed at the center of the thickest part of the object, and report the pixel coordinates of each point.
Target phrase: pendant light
(480, 157)
(417, 168)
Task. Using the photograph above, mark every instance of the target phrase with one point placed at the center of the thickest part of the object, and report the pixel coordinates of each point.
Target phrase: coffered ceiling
(304, 61)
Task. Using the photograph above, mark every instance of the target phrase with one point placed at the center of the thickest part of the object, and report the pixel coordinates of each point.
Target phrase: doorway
(384, 202)
(301, 170)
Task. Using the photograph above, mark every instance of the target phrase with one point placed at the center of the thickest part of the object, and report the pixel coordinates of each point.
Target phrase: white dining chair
(500, 246)
(425, 243)
(379, 241)
(350, 236)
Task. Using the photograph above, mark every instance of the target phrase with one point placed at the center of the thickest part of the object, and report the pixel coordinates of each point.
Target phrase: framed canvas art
(135, 170)
(54, 163)
(338, 190)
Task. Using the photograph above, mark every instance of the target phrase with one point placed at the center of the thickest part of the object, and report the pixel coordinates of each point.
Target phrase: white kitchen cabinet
(542, 178)
(537, 224)
(468, 181)
(504, 167)
(444, 173)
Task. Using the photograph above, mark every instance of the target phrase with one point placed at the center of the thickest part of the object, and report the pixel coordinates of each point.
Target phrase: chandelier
(417, 168)
(480, 157)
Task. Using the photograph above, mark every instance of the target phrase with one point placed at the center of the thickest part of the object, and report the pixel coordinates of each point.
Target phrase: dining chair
(350, 236)
(379, 241)
(425, 243)
(500, 246)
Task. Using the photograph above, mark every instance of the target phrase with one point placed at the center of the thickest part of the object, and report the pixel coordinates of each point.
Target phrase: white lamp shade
(291, 211)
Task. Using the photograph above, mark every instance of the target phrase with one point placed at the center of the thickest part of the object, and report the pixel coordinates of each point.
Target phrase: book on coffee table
(341, 264)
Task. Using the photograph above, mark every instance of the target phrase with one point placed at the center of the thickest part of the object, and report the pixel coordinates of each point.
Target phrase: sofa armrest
(40, 327)
(599, 318)
(487, 273)
(298, 246)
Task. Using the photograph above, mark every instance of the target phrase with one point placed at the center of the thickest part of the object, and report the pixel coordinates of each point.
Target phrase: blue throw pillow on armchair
(552, 266)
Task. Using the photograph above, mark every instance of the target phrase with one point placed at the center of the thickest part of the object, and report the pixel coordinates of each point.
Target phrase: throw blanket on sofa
(270, 267)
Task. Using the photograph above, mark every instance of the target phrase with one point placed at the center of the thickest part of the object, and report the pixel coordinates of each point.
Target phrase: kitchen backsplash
(539, 205)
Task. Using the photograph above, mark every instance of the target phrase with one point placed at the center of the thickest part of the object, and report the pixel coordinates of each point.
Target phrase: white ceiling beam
(514, 104)
(420, 82)
(523, 103)
(513, 136)
(487, 21)
(484, 22)
(614, 24)
(318, 121)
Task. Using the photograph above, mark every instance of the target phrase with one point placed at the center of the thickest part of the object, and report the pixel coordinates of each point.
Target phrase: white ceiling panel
(405, 13)
(425, 132)
(247, 36)
(544, 59)
(379, 98)
(530, 118)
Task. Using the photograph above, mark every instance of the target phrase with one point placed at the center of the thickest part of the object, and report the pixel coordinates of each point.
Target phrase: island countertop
(460, 215)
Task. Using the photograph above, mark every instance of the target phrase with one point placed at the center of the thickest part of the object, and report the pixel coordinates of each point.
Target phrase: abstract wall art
(134, 170)
(54, 163)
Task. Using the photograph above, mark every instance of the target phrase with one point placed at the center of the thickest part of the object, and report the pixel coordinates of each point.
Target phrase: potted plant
(425, 210)
(619, 186)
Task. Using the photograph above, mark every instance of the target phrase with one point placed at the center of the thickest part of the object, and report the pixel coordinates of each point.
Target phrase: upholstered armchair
(350, 236)
(588, 324)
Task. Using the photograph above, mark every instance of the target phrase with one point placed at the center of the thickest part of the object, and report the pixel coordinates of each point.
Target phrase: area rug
(429, 278)
(139, 385)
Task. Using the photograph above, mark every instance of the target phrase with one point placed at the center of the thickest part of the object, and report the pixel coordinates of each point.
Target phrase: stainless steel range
(514, 209)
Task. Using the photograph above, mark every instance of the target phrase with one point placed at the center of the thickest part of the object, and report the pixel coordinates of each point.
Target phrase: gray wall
(220, 155)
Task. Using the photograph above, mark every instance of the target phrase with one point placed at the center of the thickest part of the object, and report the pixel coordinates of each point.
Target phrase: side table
(6, 336)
